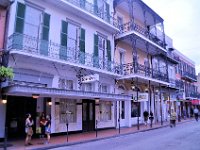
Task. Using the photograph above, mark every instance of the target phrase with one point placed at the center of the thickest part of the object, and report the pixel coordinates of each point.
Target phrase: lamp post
(67, 123)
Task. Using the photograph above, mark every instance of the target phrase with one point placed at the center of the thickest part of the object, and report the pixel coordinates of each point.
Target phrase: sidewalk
(59, 141)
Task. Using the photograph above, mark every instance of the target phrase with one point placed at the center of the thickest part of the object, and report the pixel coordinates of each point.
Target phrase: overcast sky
(182, 24)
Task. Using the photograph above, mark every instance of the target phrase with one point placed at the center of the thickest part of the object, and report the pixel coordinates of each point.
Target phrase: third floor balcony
(133, 28)
(189, 76)
(96, 12)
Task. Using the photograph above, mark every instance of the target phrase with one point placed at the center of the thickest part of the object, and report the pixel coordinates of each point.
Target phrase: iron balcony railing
(192, 94)
(189, 75)
(136, 68)
(35, 46)
(131, 26)
(179, 84)
(173, 57)
(100, 12)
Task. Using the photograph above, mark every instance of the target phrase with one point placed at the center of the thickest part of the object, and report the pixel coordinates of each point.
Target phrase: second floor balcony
(47, 50)
(143, 71)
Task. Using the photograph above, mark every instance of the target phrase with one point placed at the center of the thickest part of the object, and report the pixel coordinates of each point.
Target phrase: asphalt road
(184, 136)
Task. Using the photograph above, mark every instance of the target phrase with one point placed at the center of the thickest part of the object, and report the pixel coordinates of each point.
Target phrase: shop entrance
(88, 115)
(17, 108)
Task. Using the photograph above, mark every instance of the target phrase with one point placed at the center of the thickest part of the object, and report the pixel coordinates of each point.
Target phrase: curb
(103, 138)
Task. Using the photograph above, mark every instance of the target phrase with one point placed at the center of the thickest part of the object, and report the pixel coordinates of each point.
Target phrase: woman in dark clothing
(42, 125)
(48, 128)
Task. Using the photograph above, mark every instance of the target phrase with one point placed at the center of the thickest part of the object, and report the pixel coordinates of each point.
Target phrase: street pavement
(184, 136)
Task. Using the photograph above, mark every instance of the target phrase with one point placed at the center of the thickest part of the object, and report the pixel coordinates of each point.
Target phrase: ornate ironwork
(95, 10)
(131, 26)
(32, 45)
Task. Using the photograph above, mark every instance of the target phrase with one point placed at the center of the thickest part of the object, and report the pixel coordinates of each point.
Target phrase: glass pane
(84, 111)
(32, 22)
(91, 112)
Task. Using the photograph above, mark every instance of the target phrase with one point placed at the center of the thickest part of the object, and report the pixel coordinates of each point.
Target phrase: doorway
(88, 115)
(17, 108)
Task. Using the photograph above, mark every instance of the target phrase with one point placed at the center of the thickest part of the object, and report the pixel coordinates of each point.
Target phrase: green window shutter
(108, 12)
(19, 26)
(45, 35)
(82, 46)
(96, 52)
(95, 7)
(108, 46)
(63, 42)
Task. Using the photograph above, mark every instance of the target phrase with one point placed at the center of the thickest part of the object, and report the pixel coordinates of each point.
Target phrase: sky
(182, 24)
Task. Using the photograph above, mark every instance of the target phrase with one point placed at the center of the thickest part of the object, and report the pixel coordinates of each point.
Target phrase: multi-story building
(4, 6)
(186, 75)
(142, 55)
(89, 64)
(62, 54)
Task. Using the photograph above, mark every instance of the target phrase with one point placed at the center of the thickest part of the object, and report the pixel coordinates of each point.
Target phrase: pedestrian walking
(146, 116)
(48, 128)
(151, 117)
(196, 114)
(173, 119)
(28, 129)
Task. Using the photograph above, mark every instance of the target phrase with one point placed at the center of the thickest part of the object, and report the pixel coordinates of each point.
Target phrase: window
(86, 87)
(135, 109)
(65, 84)
(105, 110)
(104, 89)
(67, 111)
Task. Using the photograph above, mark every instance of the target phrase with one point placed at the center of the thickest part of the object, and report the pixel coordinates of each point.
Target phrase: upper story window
(65, 84)
(102, 52)
(103, 9)
(104, 88)
(87, 87)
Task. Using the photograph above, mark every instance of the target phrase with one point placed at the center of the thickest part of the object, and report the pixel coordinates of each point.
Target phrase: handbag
(38, 130)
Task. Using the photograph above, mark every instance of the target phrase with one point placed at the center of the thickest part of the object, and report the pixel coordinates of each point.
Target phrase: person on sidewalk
(42, 126)
(196, 114)
(48, 128)
(151, 117)
(28, 129)
(173, 119)
(146, 116)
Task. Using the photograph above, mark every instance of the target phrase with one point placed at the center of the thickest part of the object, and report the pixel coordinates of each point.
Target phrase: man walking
(196, 113)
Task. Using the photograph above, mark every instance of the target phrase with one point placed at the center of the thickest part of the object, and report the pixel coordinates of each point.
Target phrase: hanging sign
(142, 97)
(90, 78)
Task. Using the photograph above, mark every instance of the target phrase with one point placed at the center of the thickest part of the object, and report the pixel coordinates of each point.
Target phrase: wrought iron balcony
(131, 26)
(95, 10)
(136, 68)
(179, 84)
(31, 45)
(189, 76)
(173, 58)
(192, 94)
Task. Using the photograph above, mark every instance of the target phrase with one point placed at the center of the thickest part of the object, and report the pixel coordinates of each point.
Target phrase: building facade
(91, 65)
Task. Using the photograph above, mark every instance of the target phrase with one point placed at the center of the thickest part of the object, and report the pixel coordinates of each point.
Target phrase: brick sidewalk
(58, 141)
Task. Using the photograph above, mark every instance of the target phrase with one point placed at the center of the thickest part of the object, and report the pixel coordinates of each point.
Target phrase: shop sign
(142, 97)
(90, 78)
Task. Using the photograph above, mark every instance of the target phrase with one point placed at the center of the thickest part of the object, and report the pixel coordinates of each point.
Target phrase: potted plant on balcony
(6, 73)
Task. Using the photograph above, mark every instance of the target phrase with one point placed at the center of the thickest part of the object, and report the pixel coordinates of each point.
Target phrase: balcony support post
(161, 119)
(134, 53)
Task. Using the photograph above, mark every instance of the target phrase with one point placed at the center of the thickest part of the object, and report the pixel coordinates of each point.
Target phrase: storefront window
(135, 109)
(105, 111)
(67, 111)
